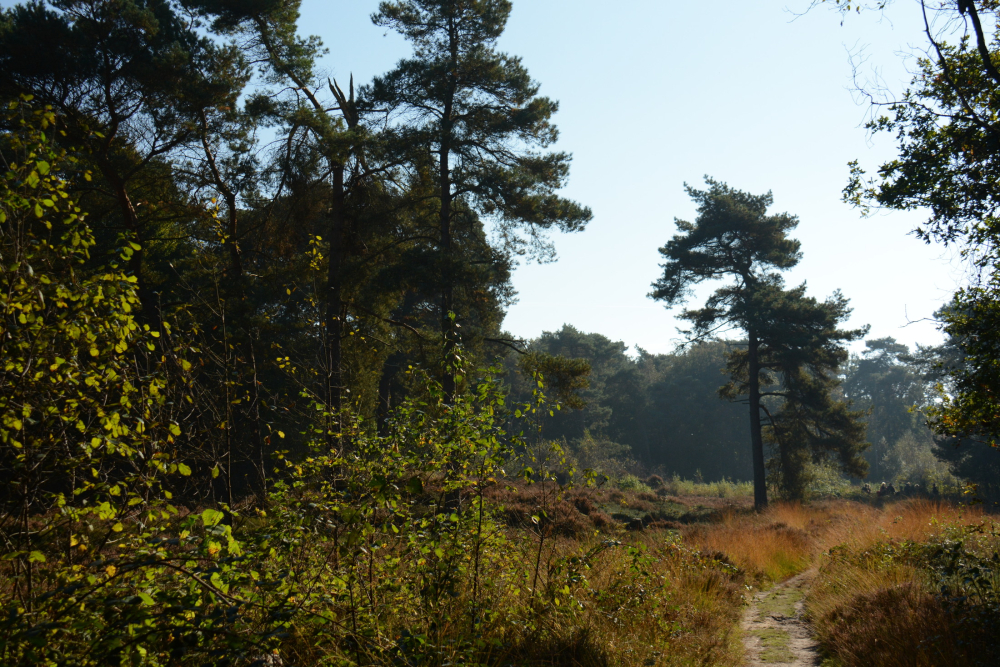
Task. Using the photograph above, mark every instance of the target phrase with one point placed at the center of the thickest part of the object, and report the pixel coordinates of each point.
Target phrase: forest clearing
(262, 403)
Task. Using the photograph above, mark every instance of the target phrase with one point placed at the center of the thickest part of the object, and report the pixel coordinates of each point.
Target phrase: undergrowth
(416, 547)
(918, 584)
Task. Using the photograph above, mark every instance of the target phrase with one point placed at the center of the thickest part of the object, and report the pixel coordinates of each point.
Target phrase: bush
(632, 483)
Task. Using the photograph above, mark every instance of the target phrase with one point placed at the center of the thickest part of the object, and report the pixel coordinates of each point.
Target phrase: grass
(774, 645)
(770, 546)
(877, 599)
(720, 489)
(780, 603)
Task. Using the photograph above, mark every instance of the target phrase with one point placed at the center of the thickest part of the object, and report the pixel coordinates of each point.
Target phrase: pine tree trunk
(249, 436)
(448, 329)
(756, 438)
(448, 288)
(334, 309)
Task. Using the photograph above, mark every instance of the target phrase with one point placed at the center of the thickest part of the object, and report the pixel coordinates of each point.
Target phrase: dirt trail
(775, 632)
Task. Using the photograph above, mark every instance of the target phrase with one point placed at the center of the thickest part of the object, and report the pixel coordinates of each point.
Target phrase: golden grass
(868, 608)
(770, 546)
(871, 608)
(788, 537)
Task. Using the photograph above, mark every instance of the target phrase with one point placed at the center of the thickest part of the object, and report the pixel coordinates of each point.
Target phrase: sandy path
(774, 630)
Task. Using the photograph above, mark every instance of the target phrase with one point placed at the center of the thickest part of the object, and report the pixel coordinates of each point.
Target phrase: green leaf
(36, 557)
(415, 486)
(211, 517)
(183, 469)
(174, 429)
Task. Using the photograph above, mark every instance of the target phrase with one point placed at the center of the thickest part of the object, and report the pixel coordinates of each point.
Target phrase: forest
(258, 405)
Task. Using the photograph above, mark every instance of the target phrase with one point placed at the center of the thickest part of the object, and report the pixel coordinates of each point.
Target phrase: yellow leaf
(118, 527)
(111, 569)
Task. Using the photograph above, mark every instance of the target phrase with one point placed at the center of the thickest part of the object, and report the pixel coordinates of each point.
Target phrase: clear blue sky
(653, 94)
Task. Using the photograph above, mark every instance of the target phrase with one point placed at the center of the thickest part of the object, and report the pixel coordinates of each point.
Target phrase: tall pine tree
(733, 238)
(474, 113)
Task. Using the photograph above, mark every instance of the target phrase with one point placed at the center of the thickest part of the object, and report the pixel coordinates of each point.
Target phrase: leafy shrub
(632, 483)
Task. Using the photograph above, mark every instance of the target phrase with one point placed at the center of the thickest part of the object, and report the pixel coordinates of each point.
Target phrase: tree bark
(448, 287)
(445, 243)
(756, 438)
(335, 308)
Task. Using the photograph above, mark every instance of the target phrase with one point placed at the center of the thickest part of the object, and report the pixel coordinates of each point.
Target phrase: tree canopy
(946, 128)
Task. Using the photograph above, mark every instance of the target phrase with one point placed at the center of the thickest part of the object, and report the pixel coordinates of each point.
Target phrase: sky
(656, 94)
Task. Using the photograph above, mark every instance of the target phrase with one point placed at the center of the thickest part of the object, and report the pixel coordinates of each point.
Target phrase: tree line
(304, 240)
(662, 413)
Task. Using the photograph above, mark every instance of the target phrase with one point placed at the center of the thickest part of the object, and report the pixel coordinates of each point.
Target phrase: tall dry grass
(788, 537)
(874, 601)
(723, 488)
(770, 546)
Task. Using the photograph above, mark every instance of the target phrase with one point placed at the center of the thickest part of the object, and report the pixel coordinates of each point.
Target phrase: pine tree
(475, 114)
(733, 238)
(800, 354)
